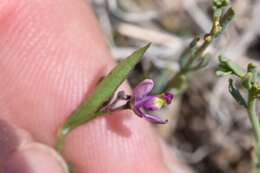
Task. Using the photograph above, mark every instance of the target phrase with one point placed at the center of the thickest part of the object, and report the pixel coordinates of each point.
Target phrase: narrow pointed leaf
(104, 91)
(236, 94)
(189, 51)
(227, 18)
(201, 63)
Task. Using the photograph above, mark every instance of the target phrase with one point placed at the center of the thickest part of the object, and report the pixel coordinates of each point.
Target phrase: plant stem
(178, 84)
(208, 39)
(253, 117)
(219, 24)
(62, 133)
(251, 109)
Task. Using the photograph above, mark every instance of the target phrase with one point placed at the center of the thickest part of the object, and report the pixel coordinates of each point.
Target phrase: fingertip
(121, 138)
(19, 154)
(35, 158)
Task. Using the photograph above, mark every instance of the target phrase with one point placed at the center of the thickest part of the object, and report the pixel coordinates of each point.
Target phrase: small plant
(250, 82)
(194, 57)
(100, 101)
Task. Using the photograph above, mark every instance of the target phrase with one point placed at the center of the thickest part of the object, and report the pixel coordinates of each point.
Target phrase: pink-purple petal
(143, 89)
(140, 102)
(154, 119)
(138, 112)
(151, 103)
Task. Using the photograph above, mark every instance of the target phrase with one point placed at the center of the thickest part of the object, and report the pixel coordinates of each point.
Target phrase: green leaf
(221, 72)
(227, 18)
(236, 94)
(227, 67)
(88, 110)
(200, 62)
(105, 90)
(206, 59)
(162, 80)
(189, 52)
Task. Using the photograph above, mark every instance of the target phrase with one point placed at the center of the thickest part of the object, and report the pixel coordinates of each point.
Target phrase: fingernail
(35, 158)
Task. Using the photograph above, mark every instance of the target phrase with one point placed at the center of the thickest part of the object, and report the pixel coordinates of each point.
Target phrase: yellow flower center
(160, 102)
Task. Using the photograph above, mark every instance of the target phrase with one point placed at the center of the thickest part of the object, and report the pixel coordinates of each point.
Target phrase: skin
(52, 54)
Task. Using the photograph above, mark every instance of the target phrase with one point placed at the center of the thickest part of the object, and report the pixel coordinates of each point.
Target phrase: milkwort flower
(143, 104)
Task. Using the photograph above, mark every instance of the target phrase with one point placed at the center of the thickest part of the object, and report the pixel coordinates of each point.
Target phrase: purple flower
(142, 103)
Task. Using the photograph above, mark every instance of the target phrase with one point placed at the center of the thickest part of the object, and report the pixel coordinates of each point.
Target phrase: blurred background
(207, 129)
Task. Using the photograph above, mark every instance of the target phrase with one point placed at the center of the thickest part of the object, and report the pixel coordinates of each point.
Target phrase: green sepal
(236, 94)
